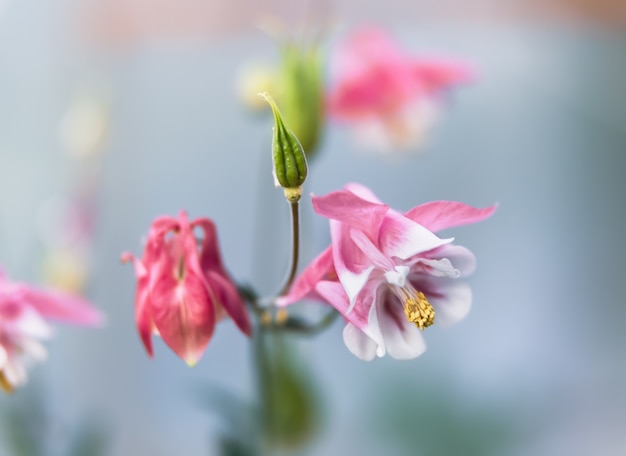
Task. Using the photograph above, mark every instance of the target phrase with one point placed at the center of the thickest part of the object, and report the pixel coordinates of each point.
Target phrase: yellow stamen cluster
(4, 383)
(277, 317)
(419, 311)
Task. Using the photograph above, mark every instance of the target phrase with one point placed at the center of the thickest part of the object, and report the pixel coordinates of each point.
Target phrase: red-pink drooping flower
(183, 289)
(391, 98)
(387, 273)
(25, 314)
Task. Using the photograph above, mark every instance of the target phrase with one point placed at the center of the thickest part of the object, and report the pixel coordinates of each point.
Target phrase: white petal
(353, 284)
(440, 268)
(34, 349)
(403, 339)
(372, 135)
(460, 257)
(373, 327)
(454, 302)
(398, 276)
(403, 238)
(15, 373)
(350, 262)
(358, 343)
(3, 357)
(31, 324)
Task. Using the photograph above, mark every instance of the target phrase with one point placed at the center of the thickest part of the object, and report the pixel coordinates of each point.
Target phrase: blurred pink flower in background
(25, 314)
(391, 98)
(387, 273)
(183, 288)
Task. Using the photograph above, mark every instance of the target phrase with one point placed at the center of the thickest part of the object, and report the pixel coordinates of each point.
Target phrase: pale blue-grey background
(538, 363)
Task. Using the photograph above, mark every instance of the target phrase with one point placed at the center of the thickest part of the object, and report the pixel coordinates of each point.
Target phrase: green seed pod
(290, 167)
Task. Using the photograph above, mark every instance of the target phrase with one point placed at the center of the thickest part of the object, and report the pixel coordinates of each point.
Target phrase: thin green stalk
(295, 251)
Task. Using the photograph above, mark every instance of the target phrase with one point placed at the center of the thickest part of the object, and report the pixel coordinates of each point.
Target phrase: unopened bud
(290, 167)
(302, 94)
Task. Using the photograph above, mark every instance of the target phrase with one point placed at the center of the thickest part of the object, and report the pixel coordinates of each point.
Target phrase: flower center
(417, 309)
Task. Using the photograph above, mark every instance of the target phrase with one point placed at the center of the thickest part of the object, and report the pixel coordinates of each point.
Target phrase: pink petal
(437, 75)
(347, 208)
(439, 215)
(374, 256)
(186, 245)
(210, 259)
(352, 265)
(219, 285)
(364, 51)
(53, 304)
(333, 293)
(161, 225)
(304, 285)
(182, 311)
(359, 315)
(223, 291)
(403, 238)
(365, 44)
(156, 237)
(362, 192)
(381, 89)
(362, 334)
(155, 242)
(143, 314)
(374, 77)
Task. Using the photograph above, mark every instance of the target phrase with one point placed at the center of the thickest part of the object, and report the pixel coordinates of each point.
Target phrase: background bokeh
(538, 366)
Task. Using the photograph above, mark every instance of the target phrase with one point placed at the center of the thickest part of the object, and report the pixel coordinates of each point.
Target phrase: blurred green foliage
(431, 417)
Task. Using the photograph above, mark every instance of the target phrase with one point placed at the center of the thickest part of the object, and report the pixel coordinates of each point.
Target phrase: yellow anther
(281, 316)
(266, 318)
(419, 311)
(4, 383)
(271, 317)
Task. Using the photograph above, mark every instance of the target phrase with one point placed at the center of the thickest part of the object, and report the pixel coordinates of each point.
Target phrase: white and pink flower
(26, 312)
(389, 97)
(388, 273)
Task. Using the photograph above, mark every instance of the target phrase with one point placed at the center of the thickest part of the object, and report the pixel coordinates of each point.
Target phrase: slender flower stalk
(295, 247)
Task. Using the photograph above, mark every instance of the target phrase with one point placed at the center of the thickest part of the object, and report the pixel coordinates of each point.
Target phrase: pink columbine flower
(183, 288)
(25, 315)
(388, 273)
(391, 98)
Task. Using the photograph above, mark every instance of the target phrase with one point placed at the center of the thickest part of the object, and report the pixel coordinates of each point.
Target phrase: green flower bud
(302, 94)
(290, 167)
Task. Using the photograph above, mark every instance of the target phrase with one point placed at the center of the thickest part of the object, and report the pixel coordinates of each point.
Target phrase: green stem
(258, 304)
(295, 251)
